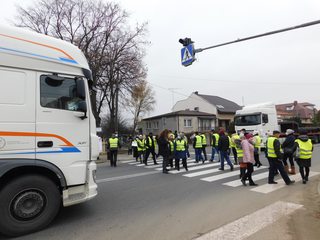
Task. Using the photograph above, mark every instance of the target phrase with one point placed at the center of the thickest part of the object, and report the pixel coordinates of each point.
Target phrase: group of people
(245, 147)
(299, 148)
(173, 147)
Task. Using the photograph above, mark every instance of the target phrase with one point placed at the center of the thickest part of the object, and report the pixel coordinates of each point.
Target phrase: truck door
(17, 109)
(62, 129)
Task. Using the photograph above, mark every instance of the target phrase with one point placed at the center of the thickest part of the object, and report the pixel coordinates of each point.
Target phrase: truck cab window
(59, 93)
(265, 118)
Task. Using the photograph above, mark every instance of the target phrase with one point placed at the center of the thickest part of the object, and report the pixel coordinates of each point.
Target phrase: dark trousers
(257, 158)
(304, 176)
(285, 157)
(113, 157)
(141, 155)
(224, 155)
(248, 173)
(164, 164)
(184, 163)
(235, 155)
(153, 153)
(204, 151)
(276, 164)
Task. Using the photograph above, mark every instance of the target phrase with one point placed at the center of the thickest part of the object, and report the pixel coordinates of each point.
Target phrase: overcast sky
(280, 68)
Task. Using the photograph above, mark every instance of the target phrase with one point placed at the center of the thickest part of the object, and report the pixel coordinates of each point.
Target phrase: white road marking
(267, 188)
(255, 177)
(252, 223)
(202, 166)
(128, 161)
(125, 177)
(222, 176)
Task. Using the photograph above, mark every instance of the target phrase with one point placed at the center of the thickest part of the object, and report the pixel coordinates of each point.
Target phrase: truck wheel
(28, 204)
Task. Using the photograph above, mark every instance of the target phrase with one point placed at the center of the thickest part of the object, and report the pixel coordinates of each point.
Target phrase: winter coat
(288, 144)
(164, 147)
(223, 144)
(248, 151)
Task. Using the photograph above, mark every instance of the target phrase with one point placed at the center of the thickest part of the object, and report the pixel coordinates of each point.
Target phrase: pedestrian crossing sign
(187, 55)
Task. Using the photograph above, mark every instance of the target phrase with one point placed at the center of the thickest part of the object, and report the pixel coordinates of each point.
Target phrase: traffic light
(185, 42)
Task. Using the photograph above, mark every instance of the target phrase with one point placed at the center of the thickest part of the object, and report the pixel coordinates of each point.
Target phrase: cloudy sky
(280, 68)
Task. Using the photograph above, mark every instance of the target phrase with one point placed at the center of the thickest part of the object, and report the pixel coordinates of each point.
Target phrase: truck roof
(26, 49)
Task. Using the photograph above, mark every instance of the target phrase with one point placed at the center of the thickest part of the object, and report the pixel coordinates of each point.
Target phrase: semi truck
(263, 118)
(48, 141)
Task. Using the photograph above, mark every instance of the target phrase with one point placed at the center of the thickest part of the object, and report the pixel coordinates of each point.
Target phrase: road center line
(244, 227)
(124, 177)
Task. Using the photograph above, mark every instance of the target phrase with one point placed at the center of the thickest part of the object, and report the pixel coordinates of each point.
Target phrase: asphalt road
(135, 202)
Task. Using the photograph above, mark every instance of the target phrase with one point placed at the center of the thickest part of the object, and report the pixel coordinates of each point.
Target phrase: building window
(187, 122)
(156, 125)
(164, 121)
(148, 125)
(204, 124)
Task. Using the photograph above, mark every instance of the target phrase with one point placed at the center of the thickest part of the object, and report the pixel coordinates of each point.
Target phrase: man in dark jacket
(287, 147)
(223, 147)
(275, 157)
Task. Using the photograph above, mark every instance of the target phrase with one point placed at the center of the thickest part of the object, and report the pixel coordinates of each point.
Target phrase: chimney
(196, 92)
(295, 103)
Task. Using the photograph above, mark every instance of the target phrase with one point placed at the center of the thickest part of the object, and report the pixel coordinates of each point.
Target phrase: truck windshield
(245, 120)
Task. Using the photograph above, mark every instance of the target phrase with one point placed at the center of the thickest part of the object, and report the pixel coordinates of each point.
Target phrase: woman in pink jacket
(248, 158)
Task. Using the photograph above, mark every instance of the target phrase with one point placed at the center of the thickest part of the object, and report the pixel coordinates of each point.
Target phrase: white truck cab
(260, 117)
(48, 141)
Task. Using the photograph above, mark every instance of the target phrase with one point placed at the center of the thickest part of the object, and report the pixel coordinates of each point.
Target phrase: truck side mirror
(82, 107)
(81, 88)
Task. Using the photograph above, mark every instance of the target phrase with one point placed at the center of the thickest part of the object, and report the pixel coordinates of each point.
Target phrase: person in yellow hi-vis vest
(257, 148)
(303, 148)
(275, 155)
(113, 145)
(214, 144)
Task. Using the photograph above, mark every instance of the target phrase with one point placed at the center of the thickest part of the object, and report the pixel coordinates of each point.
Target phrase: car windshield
(245, 120)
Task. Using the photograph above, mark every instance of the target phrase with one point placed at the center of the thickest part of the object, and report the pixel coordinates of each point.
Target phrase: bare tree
(142, 101)
(100, 29)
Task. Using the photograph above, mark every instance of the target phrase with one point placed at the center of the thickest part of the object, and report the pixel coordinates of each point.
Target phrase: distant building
(186, 121)
(305, 111)
(223, 109)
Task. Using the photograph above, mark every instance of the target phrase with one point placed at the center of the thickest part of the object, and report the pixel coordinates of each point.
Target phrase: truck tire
(28, 204)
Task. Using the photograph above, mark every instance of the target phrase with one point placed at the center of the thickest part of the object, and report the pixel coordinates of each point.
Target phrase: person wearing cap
(214, 145)
(248, 158)
(113, 144)
(275, 156)
(257, 148)
(223, 147)
(303, 148)
(287, 147)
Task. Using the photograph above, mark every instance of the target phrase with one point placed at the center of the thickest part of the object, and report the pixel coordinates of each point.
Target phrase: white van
(48, 141)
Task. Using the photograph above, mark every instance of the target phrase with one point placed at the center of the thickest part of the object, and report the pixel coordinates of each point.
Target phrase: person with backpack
(303, 149)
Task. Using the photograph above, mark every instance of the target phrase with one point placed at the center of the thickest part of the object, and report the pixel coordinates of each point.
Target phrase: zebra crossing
(209, 172)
